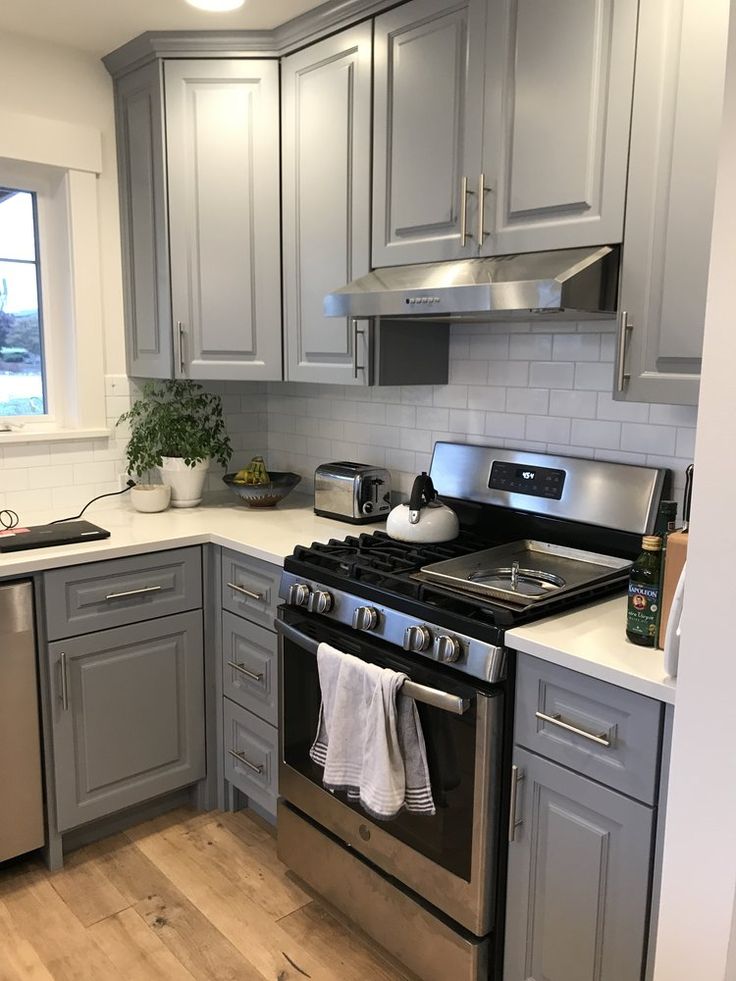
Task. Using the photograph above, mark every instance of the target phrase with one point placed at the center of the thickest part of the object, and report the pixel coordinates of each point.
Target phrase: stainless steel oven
(450, 859)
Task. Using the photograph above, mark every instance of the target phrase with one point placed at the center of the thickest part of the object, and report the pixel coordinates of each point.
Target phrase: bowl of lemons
(259, 488)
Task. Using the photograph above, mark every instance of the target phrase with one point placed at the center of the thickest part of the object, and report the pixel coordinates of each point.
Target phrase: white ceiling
(100, 26)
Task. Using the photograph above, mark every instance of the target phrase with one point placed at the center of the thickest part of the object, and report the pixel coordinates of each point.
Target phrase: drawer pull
(556, 720)
(243, 670)
(517, 775)
(246, 592)
(255, 767)
(133, 592)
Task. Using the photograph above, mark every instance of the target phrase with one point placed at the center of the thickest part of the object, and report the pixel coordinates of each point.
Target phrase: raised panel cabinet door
(676, 125)
(222, 134)
(128, 716)
(578, 878)
(143, 211)
(428, 116)
(326, 146)
(557, 115)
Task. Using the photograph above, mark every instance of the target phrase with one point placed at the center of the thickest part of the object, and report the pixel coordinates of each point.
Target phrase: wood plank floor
(185, 896)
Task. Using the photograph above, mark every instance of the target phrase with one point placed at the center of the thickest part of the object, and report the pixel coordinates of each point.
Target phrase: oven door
(450, 859)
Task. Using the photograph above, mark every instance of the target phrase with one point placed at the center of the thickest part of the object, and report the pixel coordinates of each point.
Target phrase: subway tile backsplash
(536, 387)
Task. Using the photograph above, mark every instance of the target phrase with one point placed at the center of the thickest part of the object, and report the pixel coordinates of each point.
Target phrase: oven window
(446, 837)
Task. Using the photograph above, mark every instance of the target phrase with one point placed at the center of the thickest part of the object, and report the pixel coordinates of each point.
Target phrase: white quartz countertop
(269, 534)
(592, 640)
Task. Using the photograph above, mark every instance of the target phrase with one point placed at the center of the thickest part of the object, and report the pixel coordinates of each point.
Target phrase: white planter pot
(186, 483)
(150, 498)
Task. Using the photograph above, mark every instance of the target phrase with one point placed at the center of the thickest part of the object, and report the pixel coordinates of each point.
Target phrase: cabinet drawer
(602, 731)
(250, 666)
(250, 588)
(100, 595)
(251, 755)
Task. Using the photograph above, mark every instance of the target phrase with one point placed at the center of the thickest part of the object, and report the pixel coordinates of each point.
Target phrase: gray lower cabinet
(128, 716)
(250, 666)
(578, 880)
(198, 160)
(676, 129)
(251, 756)
(326, 147)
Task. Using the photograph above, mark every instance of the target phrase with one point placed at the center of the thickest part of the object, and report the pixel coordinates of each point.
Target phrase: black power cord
(131, 483)
(9, 519)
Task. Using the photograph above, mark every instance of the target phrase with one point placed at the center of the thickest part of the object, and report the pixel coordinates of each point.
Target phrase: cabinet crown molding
(288, 37)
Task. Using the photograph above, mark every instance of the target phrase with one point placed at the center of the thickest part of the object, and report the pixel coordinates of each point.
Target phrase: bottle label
(643, 607)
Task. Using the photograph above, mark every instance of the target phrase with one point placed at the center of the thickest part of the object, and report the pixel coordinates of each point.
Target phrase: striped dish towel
(369, 737)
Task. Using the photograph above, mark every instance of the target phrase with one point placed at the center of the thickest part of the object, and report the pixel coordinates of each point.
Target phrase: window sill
(52, 435)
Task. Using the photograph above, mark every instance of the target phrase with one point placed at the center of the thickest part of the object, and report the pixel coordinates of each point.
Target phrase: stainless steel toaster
(352, 492)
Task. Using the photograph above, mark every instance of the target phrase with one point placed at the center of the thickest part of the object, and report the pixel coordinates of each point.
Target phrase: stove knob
(365, 618)
(299, 594)
(417, 639)
(320, 601)
(447, 649)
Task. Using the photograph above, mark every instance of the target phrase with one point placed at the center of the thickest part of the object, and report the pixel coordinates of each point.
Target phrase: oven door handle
(420, 693)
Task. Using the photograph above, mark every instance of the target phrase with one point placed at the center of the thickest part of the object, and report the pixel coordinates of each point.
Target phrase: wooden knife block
(674, 561)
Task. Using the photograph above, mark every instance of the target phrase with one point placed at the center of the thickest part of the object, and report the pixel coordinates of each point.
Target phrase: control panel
(532, 481)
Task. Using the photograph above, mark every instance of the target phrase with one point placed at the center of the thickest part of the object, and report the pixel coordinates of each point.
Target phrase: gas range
(375, 585)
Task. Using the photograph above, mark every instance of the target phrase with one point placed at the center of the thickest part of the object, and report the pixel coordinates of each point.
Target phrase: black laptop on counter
(44, 536)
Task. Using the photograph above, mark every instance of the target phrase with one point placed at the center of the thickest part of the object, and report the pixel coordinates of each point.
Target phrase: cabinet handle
(482, 191)
(246, 592)
(624, 333)
(464, 192)
(180, 340)
(357, 331)
(133, 592)
(556, 720)
(64, 682)
(243, 670)
(517, 775)
(255, 767)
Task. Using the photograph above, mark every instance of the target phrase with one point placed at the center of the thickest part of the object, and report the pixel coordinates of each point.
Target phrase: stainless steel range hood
(564, 284)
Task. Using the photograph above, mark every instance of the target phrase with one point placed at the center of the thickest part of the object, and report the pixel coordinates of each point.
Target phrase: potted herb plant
(177, 428)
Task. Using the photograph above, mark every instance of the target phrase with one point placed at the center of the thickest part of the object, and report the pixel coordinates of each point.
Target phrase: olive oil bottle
(642, 613)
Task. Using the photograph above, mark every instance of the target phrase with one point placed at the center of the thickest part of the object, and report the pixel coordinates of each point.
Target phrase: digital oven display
(532, 481)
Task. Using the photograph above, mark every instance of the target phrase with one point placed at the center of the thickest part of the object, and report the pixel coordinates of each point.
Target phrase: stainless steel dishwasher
(21, 788)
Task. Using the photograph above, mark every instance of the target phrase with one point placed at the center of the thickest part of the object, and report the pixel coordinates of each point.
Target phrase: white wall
(699, 875)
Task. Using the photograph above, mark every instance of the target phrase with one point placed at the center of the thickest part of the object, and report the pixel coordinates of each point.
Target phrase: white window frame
(60, 163)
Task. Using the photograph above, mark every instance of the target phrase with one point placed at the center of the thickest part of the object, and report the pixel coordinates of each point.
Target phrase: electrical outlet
(123, 479)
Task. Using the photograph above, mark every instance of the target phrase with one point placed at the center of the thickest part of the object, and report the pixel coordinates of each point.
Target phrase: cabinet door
(142, 182)
(676, 124)
(578, 879)
(222, 138)
(128, 716)
(428, 111)
(326, 127)
(558, 107)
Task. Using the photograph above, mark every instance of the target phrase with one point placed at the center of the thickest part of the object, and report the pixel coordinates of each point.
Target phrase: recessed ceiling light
(216, 6)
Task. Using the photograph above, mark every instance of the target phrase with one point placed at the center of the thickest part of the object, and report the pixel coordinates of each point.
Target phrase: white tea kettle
(425, 518)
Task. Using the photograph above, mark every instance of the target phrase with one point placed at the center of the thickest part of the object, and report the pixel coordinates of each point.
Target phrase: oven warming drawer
(411, 932)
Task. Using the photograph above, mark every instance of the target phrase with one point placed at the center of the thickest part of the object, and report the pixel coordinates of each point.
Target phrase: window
(22, 370)
(52, 382)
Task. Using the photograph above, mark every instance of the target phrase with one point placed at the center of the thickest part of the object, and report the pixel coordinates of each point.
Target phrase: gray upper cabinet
(428, 111)
(198, 152)
(223, 176)
(578, 878)
(143, 225)
(326, 146)
(559, 80)
(128, 716)
(678, 98)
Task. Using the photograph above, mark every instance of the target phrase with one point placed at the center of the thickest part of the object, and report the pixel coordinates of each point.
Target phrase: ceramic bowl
(264, 495)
